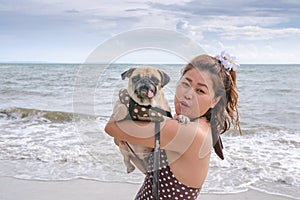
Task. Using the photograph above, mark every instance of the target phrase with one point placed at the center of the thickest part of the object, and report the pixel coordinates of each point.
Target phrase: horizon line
(128, 63)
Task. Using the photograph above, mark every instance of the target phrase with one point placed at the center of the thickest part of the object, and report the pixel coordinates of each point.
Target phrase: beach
(79, 189)
(48, 134)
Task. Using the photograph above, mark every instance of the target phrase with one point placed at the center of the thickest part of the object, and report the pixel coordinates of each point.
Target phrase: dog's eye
(136, 78)
(154, 80)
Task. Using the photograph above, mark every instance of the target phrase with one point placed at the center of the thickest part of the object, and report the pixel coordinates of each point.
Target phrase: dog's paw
(130, 168)
(182, 119)
(120, 111)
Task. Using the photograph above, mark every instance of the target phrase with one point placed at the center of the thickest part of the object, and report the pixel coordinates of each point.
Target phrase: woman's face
(194, 94)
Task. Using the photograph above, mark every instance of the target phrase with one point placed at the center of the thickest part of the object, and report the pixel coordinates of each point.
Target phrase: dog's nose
(145, 89)
(142, 90)
(144, 84)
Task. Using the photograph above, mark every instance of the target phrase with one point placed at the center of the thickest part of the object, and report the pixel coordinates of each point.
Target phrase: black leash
(156, 162)
(161, 111)
(156, 152)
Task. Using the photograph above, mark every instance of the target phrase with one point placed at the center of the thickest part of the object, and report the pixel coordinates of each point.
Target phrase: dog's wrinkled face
(145, 82)
(145, 86)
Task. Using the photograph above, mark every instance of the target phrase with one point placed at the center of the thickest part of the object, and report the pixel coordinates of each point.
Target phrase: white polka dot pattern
(169, 187)
(139, 112)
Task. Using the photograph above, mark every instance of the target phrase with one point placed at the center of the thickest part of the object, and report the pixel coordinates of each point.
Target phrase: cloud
(72, 11)
(230, 29)
(233, 21)
(258, 52)
(214, 23)
(233, 8)
(266, 54)
(184, 27)
(252, 32)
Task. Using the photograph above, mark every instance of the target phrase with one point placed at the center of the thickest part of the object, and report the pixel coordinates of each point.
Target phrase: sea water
(45, 133)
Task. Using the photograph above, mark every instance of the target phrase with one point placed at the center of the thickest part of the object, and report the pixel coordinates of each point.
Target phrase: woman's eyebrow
(199, 84)
(203, 85)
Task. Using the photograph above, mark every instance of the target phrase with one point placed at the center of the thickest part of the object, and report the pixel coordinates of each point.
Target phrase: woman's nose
(189, 94)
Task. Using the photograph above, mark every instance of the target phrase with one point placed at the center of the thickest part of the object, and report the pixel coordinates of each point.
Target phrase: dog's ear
(165, 78)
(127, 73)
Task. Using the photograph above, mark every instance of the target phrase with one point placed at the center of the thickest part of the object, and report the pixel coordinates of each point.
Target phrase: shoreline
(81, 189)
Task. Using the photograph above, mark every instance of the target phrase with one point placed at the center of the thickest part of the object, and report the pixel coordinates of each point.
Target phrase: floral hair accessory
(229, 62)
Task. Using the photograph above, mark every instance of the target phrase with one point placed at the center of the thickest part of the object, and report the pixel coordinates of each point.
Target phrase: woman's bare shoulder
(178, 137)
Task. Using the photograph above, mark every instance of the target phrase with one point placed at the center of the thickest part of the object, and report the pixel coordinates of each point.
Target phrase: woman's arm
(174, 136)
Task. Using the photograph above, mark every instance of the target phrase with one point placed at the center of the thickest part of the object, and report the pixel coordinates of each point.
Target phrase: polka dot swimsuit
(169, 187)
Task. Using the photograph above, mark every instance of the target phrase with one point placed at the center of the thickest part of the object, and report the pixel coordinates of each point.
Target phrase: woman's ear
(215, 101)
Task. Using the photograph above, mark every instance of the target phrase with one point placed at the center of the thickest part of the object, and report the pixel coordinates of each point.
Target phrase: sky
(68, 31)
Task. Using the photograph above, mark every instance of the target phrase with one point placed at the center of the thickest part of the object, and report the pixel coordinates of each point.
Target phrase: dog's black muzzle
(145, 89)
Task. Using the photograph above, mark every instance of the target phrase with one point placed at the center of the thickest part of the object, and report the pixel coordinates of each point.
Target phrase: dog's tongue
(150, 94)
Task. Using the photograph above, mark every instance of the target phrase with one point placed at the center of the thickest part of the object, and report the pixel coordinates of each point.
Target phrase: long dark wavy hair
(225, 111)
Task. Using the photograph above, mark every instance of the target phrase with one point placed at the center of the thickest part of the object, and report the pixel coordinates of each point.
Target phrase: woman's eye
(185, 84)
(200, 91)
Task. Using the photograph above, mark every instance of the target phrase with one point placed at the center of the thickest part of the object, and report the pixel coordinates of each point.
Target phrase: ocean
(52, 119)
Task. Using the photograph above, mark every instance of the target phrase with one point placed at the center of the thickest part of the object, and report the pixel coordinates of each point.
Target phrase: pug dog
(142, 100)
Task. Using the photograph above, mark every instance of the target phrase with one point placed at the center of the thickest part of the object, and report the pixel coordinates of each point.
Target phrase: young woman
(207, 94)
